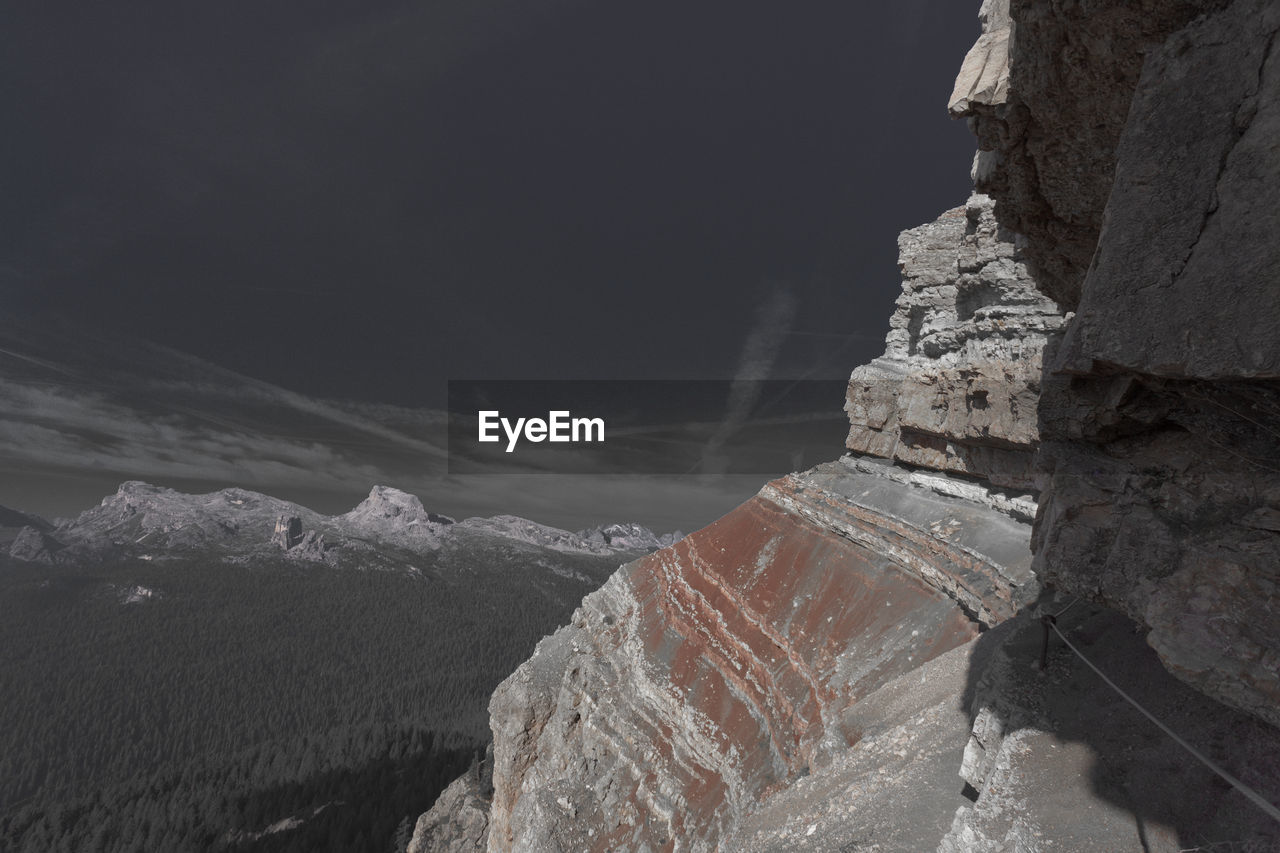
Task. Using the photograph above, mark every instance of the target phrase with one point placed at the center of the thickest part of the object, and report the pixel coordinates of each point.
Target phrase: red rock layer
(704, 676)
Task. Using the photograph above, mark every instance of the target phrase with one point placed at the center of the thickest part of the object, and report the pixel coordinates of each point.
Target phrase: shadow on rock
(1058, 759)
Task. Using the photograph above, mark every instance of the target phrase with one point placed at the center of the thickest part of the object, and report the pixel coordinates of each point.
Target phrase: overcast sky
(360, 200)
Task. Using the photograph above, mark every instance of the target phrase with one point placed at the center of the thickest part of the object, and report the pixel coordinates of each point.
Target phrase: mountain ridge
(145, 519)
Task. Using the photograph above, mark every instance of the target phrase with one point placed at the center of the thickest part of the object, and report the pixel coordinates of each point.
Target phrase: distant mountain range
(390, 529)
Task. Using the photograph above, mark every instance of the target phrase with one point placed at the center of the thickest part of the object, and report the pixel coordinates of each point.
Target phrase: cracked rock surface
(1135, 148)
(957, 387)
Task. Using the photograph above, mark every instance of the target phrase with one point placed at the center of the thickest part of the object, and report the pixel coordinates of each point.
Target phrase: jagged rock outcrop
(707, 676)
(140, 516)
(311, 547)
(957, 387)
(288, 532)
(299, 544)
(1134, 146)
(391, 512)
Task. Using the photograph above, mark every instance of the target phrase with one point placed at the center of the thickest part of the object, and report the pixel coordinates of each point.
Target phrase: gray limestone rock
(629, 537)
(957, 387)
(1191, 242)
(703, 679)
(383, 530)
(1134, 147)
(1053, 127)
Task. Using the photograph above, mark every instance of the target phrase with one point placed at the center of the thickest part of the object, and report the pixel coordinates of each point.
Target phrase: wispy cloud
(774, 316)
(54, 428)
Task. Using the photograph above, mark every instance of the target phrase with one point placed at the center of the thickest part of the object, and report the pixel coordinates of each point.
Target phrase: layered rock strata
(703, 678)
(957, 387)
(1134, 146)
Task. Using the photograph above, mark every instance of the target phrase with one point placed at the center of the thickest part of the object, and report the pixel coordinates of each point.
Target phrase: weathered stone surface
(1159, 414)
(957, 387)
(895, 789)
(984, 75)
(1060, 762)
(1195, 257)
(703, 678)
(1073, 69)
(1162, 499)
(1054, 760)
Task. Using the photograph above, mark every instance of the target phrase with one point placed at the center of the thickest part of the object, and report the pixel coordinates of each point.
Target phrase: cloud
(774, 316)
(50, 427)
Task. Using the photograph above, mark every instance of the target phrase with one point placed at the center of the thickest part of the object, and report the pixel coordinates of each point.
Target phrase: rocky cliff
(957, 387)
(1091, 341)
(703, 680)
(1135, 147)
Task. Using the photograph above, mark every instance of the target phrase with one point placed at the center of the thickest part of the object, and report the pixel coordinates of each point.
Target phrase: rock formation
(400, 514)
(288, 532)
(957, 387)
(1135, 148)
(459, 820)
(706, 676)
(631, 537)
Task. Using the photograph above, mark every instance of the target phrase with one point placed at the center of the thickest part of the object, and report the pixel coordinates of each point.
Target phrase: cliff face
(707, 677)
(957, 387)
(1136, 148)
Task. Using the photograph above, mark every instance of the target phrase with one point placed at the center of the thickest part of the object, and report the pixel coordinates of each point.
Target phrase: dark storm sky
(361, 199)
